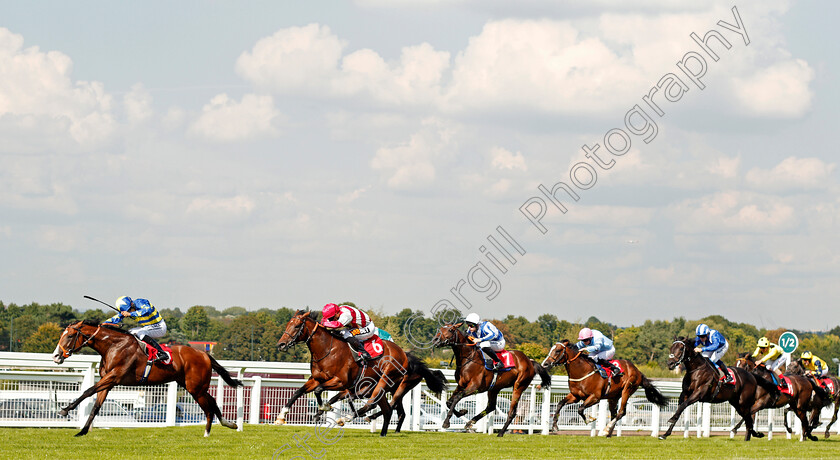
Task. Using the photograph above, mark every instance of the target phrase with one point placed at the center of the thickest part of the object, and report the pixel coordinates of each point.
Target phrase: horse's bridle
(452, 342)
(563, 354)
(294, 339)
(682, 355)
(65, 353)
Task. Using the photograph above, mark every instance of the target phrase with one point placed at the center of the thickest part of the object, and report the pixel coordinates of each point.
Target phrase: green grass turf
(262, 442)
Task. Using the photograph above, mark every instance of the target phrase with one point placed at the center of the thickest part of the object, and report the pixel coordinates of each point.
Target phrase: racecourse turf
(267, 442)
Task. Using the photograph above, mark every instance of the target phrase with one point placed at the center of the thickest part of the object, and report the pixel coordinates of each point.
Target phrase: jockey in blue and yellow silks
(814, 365)
(151, 323)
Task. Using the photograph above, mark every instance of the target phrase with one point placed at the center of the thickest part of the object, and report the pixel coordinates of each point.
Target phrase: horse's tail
(652, 393)
(545, 377)
(223, 373)
(435, 379)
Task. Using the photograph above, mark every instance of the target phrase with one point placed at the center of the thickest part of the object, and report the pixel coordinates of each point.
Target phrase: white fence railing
(33, 389)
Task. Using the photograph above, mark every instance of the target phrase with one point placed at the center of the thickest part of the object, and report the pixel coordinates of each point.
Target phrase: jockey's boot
(497, 363)
(722, 368)
(357, 345)
(782, 384)
(616, 371)
(162, 355)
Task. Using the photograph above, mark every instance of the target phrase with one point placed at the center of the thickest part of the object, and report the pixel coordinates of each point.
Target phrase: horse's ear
(565, 341)
(458, 325)
(298, 312)
(313, 315)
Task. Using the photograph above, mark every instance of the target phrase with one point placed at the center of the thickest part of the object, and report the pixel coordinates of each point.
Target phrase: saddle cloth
(507, 358)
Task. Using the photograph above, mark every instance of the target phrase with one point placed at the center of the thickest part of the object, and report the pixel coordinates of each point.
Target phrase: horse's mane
(109, 326)
(569, 345)
(312, 314)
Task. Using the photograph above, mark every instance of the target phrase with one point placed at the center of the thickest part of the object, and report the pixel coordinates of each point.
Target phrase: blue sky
(290, 154)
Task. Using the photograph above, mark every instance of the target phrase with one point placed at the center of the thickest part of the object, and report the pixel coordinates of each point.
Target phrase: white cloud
(224, 119)
(411, 164)
(234, 207)
(734, 212)
(505, 159)
(138, 104)
(780, 90)
(352, 196)
(37, 86)
(792, 173)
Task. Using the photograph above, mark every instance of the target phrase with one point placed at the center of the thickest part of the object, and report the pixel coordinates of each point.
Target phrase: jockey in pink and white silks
(355, 325)
(486, 337)
(599, 347)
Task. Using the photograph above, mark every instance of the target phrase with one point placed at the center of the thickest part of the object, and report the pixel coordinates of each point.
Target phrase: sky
(402, 154)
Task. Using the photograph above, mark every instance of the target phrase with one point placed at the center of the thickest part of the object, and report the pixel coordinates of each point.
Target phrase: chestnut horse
(472, 377)
(768, 397)
(587, 385)
(796, 368)
(124, 361)
(333, 368)
(701, 384)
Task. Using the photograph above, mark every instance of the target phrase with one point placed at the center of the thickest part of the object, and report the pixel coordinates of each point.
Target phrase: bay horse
(586, 384)
(769, 397)
(333, 368)
(796, 368)
(472, 377)
(701, 384)
(124, 361)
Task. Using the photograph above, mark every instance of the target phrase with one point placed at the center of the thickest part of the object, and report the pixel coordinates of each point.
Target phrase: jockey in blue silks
(711, 344)
(487, 337)
(599, 347)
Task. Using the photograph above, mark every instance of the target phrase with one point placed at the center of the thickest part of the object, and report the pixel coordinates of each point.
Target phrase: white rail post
(532, 409)
(86, 405)
(603, 415)
(171, 403)
(240, 402)
(220, 394)
(654, 421)
(256, 401)
(732, 422)
(416, 404)
(771, 414)
(686, 415)
(480, 404)
(706, 411)
(546, 411)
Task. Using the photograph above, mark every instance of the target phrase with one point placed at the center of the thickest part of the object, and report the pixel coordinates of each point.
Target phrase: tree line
(252, 335)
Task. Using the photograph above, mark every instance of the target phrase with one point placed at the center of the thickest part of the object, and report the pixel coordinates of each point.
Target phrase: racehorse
(472, 377)
(124, 361)
(796, 368)
(436, 382)
(582, 387)
(333, 368)
(767, 397)
(701, 384)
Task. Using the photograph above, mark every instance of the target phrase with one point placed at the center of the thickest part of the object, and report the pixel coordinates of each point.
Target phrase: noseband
(66, 353)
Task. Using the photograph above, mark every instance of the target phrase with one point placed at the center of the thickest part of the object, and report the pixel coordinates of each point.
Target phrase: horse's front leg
(100, 399)
(693, 398)
(106, 382)
(569, 399)
(457, 395)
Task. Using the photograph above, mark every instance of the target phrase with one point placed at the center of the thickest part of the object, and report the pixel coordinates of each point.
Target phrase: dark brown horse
(123, 363)
(587, 385)
(333, 368)
(796, 368)
(472, 377)
(701, 384)
(769, 397)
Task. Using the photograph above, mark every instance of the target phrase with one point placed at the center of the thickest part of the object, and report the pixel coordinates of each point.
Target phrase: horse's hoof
(81, 433)
(827, 435)
(62, 412)
(340, 421)
(445, 424)
(758, 435)
(662, 438)
(368, 419)
(280, 421)
(501, 434)
(325, 408)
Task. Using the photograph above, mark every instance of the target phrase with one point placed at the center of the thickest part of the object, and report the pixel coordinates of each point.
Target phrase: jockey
(711, 344)
(774, 358)
(151, 323)
(814, 365)
(355, 325)
(487, 337)
(599, 347)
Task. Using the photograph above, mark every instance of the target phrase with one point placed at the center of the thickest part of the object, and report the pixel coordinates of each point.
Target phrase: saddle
(827, 384)
(152, 353)
(506, 357)
(606, 372)
(373, 345)
(787, 390)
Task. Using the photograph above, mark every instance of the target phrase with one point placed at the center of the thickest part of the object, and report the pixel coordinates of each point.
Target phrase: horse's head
(745, 361)
(74, 337)
(795, 367)
(296, 327)
(449, 334)
(681, 350)
(557, 355)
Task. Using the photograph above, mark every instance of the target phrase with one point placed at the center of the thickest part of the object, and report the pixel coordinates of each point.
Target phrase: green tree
(195, 322)
(43, 340)
(534, 351)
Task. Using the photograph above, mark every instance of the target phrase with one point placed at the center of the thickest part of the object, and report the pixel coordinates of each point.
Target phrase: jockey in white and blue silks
(486, 336)
(599, 347)
(711, 344)
(152, 325)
